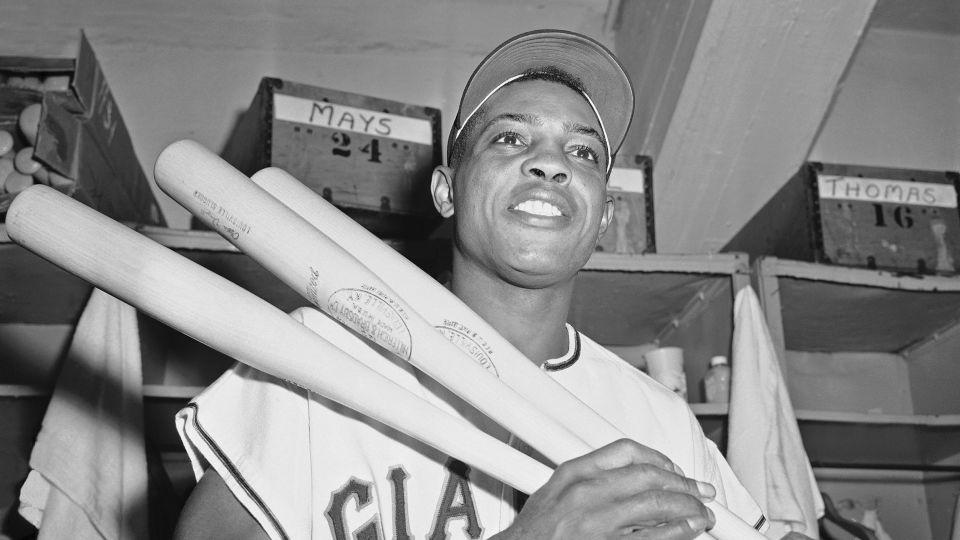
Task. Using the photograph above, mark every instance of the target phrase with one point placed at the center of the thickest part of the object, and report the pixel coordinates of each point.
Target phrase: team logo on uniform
(455, 514)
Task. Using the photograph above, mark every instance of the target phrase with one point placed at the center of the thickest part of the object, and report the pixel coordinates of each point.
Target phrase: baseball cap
(605, 83)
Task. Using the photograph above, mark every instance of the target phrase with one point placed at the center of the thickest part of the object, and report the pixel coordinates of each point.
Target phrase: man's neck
(533, 320)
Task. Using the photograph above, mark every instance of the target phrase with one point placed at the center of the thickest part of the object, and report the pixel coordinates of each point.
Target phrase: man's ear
(607, 217)
(441, 189)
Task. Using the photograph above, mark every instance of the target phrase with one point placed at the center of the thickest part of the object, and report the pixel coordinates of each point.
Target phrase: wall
(899, 104)
(186, 69)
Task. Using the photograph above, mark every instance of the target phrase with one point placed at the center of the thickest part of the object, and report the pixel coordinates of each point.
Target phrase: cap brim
(604, 80)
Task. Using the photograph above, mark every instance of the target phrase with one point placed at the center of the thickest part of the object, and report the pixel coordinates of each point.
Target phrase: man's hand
(621, 489)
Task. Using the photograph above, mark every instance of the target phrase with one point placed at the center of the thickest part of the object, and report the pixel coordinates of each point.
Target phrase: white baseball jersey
(306, 467)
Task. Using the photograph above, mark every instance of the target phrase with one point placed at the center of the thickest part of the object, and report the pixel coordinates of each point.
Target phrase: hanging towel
(89, 469)
(764, 447)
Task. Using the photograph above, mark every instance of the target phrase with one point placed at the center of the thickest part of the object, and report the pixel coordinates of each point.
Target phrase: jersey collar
(571, 356)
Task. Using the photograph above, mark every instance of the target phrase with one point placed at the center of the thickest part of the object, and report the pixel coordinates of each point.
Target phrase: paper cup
(665, 365)
(633, 354)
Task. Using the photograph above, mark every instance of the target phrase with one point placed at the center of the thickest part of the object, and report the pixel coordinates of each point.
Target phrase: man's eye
(509, 138)
(585, 152)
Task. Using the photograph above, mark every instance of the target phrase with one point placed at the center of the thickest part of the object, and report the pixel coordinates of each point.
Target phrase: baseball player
(529, 154)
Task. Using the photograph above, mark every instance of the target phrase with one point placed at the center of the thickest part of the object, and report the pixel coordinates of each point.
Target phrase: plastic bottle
(717, 380)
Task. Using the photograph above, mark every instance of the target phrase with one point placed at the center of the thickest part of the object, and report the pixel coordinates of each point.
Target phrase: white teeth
(539, 208)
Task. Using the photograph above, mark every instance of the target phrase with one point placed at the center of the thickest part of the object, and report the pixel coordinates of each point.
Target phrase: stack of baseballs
(18, 168)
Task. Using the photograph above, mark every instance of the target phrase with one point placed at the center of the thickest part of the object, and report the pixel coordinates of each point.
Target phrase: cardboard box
(631, 187)
(891, 219)
(371, 157)
(81, 135)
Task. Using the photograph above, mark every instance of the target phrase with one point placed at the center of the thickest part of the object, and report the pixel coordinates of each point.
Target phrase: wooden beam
(757, 89)
(656, 41)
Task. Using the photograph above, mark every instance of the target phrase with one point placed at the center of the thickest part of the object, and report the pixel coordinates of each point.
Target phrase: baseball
(24, 161)
(17, 182)
(6, 142)
(29, 122)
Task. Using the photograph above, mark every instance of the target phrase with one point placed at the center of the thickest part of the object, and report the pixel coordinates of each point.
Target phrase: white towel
(955, 533)
(764, 446)
(89, 477)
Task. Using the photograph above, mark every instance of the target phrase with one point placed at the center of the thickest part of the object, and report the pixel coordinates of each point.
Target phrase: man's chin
(540, 274)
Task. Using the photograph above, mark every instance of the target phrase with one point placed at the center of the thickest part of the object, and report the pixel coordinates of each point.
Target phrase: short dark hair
(547, 73)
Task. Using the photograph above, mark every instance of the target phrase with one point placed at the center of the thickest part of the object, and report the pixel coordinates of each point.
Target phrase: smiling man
(527, 190)
(529, 155)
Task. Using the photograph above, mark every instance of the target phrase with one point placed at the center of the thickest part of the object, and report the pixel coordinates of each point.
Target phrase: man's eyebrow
(583, 129)
(521, 118)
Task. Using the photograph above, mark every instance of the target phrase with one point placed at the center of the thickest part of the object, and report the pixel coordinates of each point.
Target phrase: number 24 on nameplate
(342, 140)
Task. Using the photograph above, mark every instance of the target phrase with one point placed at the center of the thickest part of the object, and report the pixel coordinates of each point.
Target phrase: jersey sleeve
(253, 429)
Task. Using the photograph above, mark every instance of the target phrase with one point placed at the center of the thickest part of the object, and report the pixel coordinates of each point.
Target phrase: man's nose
(547, 164)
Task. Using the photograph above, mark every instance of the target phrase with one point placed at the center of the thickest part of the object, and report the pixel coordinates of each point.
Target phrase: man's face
(530, 192)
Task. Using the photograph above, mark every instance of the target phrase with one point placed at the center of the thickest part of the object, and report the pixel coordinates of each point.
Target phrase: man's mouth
(538, 208)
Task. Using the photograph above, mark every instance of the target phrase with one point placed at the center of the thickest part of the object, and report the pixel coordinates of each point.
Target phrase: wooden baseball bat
(333, 280)
(226, 317)
(456, 321)
(222, 315)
